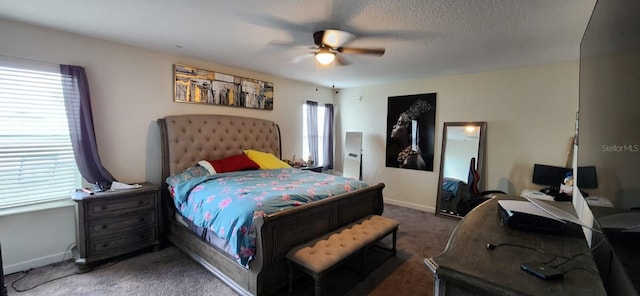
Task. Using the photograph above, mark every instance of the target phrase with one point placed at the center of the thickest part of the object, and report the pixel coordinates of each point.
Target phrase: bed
(187, 139)
(453, 191)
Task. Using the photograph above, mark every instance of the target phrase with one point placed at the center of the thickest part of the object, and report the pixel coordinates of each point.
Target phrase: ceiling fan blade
(290, 44)
(342, 61)
(332, 38)
(352, 50)
(302, 57)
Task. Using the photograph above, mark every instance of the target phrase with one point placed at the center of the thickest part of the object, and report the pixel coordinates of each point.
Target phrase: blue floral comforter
(227, 203)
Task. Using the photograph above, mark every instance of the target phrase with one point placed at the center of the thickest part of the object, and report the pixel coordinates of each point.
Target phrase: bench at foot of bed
(320, 256)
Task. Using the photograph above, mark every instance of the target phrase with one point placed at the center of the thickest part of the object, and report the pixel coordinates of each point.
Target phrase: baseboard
(410, 205)
(37, 262)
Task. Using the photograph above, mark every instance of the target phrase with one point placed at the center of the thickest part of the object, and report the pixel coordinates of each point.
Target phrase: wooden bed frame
(186, 139)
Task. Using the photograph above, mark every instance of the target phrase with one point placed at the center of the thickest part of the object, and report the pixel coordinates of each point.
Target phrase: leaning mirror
(462, 149)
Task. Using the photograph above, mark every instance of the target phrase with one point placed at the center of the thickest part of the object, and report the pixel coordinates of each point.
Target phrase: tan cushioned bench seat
(320, 254)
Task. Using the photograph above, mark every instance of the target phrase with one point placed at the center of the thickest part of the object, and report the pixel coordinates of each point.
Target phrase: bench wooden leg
(290, 277)
(318, 285)
(395, 236)
(363, 262)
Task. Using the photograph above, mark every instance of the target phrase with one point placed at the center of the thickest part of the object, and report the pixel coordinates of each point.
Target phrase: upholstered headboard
(187, 139)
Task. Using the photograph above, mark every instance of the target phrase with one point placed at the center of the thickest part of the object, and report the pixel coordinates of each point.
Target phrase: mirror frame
(479, 159)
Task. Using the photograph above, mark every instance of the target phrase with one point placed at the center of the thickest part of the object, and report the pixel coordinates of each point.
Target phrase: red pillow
(234, 163)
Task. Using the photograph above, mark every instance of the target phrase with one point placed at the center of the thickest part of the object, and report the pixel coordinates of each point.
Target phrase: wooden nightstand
(114, 223)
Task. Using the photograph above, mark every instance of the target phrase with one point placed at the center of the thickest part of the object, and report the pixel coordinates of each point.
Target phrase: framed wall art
(411, 124)
(193, 85)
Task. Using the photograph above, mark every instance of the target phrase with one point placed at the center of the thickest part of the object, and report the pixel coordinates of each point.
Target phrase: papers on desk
(599, 201)
(555, 212)
(531, 193)
(625, 222)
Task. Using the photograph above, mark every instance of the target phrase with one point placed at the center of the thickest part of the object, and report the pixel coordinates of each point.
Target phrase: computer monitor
(550, 176)
(587, 178)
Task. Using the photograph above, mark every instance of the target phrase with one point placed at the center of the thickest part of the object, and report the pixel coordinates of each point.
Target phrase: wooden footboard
(280, 232)
(276, 235)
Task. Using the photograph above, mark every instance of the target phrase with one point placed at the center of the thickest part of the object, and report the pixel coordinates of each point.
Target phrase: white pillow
(207, 165)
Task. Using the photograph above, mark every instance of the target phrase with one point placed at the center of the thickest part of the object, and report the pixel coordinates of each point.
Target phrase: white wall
(130, 89)
(529, 112)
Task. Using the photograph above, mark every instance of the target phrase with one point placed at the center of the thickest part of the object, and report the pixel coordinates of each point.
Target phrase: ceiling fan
(330, 44)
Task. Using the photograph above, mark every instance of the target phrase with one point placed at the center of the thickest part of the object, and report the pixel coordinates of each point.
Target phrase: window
(36, 157)
(320, 133)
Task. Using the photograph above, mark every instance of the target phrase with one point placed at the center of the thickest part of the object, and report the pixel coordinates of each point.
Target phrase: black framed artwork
(411, 125)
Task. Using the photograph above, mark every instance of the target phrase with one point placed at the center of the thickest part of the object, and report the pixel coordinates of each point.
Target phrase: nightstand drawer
(108, 207)
(131, 240)
(108, 226)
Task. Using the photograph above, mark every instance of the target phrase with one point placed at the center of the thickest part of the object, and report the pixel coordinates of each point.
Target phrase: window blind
(36, 157)
(319, 132)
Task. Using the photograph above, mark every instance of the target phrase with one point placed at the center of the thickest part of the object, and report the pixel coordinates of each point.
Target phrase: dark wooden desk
(468, 267)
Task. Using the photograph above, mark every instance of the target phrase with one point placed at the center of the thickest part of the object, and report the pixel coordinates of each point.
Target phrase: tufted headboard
(187, 139)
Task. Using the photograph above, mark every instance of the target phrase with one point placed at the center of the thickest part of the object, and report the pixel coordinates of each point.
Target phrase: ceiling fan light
(330, 37)
(325, 58)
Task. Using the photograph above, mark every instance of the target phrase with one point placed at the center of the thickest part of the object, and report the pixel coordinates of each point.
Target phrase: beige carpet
(170, 272)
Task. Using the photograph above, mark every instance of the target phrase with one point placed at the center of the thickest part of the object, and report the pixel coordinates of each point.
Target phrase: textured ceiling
(423, 38)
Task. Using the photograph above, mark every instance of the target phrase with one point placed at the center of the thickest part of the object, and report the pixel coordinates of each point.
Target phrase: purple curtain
(83, 138)
(312, 129)
(328, 136)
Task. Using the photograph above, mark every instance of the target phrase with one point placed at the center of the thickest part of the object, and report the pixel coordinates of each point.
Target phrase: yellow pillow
(267, 161)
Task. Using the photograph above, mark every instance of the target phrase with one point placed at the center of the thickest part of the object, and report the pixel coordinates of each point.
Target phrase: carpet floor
(170, 272)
